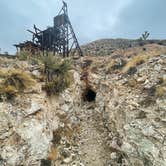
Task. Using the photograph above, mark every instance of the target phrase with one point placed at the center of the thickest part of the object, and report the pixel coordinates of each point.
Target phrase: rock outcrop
(114, 113)
(105, 47)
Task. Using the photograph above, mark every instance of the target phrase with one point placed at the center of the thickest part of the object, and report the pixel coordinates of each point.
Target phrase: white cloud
(91, 19)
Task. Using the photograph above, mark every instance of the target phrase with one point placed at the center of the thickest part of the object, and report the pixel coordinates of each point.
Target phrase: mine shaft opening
(89, 95)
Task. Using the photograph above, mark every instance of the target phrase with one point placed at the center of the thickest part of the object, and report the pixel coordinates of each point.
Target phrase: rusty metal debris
(58, 39)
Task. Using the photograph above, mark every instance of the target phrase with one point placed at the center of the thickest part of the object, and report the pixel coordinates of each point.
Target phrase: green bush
(23, 55)
(57, 74)
(56, 65)
(35, 60)
(58, 85)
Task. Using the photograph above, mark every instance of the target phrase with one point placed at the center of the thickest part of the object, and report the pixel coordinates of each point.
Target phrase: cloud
(141, 16)
(95, 19)
(91, 19)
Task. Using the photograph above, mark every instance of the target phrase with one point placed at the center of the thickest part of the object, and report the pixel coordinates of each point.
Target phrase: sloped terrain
(113, 113)
(105, 47)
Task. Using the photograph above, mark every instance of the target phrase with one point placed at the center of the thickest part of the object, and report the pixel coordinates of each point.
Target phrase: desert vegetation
(115, 64)
(145, 36)
(23, 55)
(140, 58)
(160, 89)
(57, 74)
(13, 82)
(56, 71)
(116, 100)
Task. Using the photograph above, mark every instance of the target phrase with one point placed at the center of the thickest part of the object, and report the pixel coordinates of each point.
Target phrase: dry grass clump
(19, 79)
(142, 58)
(23, 55)
(53, 154)
(132, 82)
(58, 84)
(57, 74)
(160, 91)
(161, 88)
(14, 82)
(163, 80)
(115, 64)
(32, 59)
(137, 60)
(3, 72)
(7, 91)
(156, 91)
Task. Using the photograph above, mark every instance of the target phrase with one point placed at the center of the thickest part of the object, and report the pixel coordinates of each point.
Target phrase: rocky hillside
(113, 113)
(105, 47)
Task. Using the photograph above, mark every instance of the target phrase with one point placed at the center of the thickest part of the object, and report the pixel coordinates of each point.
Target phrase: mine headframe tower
(59, 39)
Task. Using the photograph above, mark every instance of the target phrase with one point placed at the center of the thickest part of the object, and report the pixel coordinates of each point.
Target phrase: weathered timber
(58, 39)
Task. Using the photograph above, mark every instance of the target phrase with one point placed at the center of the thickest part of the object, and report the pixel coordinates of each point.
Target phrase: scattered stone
(125, 125)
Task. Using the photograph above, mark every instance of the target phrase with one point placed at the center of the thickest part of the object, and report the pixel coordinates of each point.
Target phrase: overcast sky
(91, 19)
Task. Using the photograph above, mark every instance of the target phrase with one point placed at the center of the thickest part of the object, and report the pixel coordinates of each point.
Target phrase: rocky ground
(113, 114)
(105, 47)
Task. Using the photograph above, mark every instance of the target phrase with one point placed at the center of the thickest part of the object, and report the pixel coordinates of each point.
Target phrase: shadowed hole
(89, 95)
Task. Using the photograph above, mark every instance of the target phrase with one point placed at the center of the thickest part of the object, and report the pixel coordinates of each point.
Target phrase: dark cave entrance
(89, 95)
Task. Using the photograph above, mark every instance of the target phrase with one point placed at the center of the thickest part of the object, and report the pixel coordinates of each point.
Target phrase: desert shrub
(86, 63)
(145, 35)
(156, 91)
(132, 82)
(132, 70)
(137, 60)
(147, 101)
(36, 60)
(162, 81)
(142, 58)
(160, 91)
(115, 64)
(55, 65)
(160, 43)
(14, 82)
(160, 88)
(141, 43)
(58, 84)
(7, 91)
(109, 67)
(23, 55)
(27, 56)
(19, 79)
(3, 73)
(46, 162)
(57, 74)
